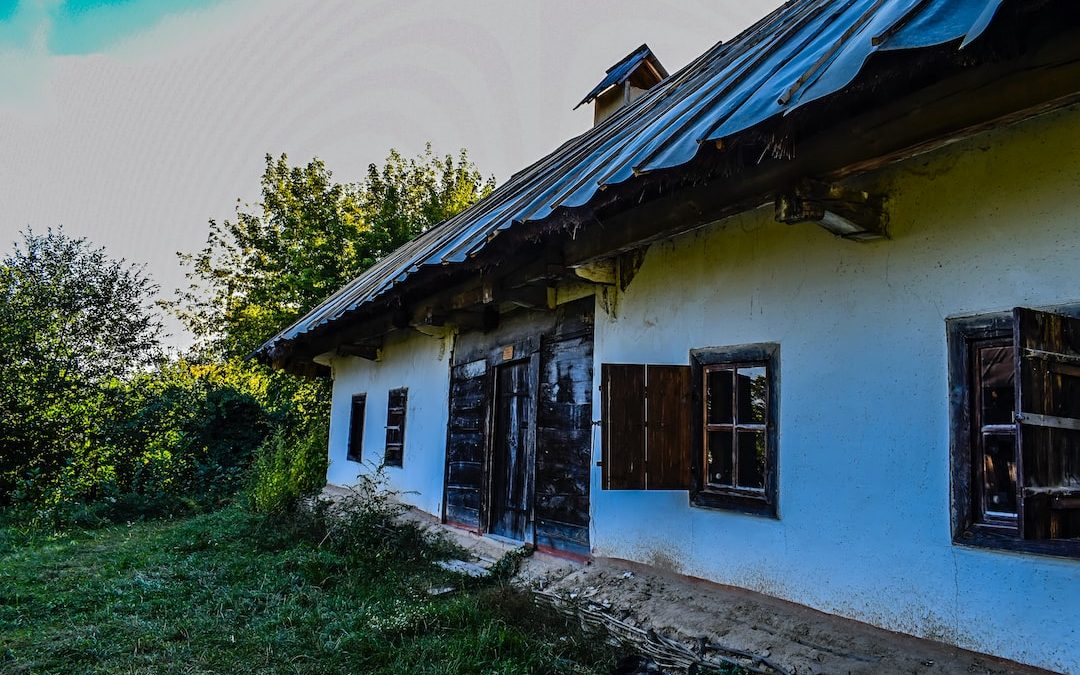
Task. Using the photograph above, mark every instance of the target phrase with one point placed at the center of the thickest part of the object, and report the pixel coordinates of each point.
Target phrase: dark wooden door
(466, 443)
(513, 451)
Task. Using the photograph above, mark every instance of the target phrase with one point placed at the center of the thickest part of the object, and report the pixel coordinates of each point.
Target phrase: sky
(134, 122)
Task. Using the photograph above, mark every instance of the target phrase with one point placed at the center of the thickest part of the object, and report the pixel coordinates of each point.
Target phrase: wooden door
(466, 443)
(513, 451)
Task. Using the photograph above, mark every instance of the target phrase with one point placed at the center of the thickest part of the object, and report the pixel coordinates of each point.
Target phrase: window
(709, 428)
(395, 427)
(1015, 418)
(356, 428)
(736, 391)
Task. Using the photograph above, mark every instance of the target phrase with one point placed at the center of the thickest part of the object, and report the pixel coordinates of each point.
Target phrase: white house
(795, 318)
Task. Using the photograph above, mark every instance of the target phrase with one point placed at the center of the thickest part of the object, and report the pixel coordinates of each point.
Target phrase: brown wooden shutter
(1048, 433)
(622, 391)
(395, 427)
(668, 431)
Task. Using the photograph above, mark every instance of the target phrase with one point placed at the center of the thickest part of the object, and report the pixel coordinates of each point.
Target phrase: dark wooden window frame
(394, 452)
(964, 335)
(354, 451)
(754, 502)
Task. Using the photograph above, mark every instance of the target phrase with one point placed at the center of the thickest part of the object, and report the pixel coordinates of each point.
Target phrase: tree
(308, 237)
(278, 259)
(73, 322)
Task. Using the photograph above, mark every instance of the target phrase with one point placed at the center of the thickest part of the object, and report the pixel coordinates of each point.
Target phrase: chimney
(625, 82)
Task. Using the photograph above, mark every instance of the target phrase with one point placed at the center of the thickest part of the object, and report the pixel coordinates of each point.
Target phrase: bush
(285, 471)
(177, 440)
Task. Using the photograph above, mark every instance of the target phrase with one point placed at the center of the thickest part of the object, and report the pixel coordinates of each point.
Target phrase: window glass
(999, 474)
(996, 376)
(718, 396)
(752, 460)
(736, 414)
(719, 458)
(753, 394)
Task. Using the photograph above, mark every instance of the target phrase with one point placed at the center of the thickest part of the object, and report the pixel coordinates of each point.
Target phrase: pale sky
(133, 122)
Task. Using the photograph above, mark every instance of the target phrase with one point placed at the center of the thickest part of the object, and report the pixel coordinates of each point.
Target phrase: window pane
(752, 459)
(999, 473)
(718, 459)
(753, 395)
(996, 375)
(718, 396)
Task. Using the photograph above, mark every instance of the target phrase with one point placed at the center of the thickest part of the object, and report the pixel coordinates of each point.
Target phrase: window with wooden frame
(645, 412)
(736, 392)
(1015, 428)
(395, 427)
(354, 452)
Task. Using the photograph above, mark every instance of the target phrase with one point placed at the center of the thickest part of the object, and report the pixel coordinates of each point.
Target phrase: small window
(395, 427)
(709, 428)
(356, 428)
(1015, 417)
(737, 392)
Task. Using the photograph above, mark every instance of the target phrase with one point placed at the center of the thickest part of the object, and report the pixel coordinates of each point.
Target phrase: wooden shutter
(356, 428)
(668, 429)
(1048, 433)
(397, 402)
(622, 392)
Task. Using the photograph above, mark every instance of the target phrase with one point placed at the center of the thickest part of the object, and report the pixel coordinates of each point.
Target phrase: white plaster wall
(864, 527)
(422, 364)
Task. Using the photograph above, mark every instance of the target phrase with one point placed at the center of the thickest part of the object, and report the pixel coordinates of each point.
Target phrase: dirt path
(801, 639)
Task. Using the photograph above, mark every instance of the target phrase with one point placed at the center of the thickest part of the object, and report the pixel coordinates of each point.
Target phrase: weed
(327, 589)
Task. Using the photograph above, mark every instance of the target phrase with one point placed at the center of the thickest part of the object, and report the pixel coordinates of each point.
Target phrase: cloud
(92, 26)
(24, 54)
(34, 33)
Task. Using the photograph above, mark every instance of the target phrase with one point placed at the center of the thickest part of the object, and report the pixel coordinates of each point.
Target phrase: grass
(233, 592)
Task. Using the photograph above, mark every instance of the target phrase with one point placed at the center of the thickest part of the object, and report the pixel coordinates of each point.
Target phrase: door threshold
(517, 543)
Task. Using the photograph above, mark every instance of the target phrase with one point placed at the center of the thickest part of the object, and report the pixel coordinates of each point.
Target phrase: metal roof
(801, 52)
(622, 70)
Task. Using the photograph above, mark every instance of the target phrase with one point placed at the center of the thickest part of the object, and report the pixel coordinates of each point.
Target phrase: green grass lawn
(230, 592)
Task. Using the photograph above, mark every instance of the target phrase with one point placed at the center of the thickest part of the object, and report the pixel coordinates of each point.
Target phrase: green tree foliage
(278, 259)
(73, 323)
(95, 425)
(308, 237)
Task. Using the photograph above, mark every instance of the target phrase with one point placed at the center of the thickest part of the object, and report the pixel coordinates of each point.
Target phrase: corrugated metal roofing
(620, 71)
(803, 51)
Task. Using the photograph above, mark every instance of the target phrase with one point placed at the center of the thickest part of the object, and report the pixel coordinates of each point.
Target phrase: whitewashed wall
(420, 363)
(864, 527)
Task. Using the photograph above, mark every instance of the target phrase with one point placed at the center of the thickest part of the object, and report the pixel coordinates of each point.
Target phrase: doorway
(513, 450)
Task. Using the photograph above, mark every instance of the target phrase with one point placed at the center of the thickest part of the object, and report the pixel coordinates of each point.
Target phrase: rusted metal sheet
(804, 51)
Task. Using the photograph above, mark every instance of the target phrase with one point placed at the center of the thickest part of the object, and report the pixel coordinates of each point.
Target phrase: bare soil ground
(797, 637)
(803, 640)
